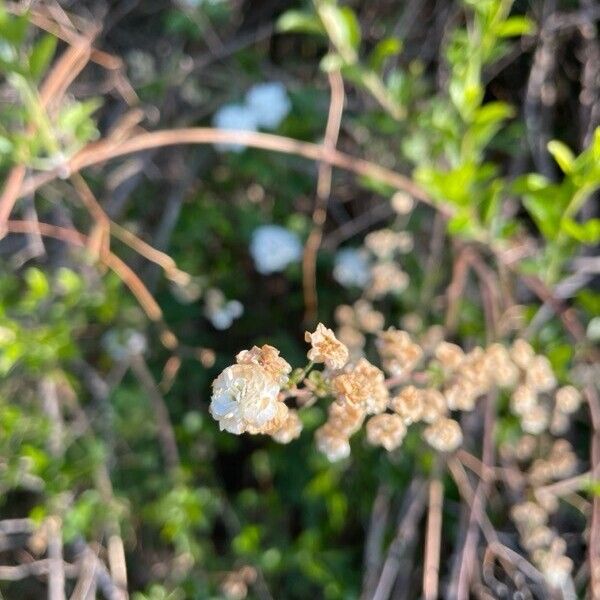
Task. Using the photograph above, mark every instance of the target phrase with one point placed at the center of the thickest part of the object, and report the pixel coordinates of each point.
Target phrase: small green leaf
(342, 27)
(586, 233)
(6, 146)
(300, 22)
(515, 26)
(383, 50)
(41, 55)
(562, 155)
(13, 29)
(493, 112)
(37, 283)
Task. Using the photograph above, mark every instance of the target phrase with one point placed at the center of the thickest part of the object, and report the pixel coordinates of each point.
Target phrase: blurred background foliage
(444, 91)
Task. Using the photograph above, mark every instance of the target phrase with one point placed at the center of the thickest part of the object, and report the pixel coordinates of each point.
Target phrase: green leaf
(562, 155)
(383, 50)
(300, 22)
(492, 113)
(6, 146)
(586, 233)
(41, 55)
(515, 26)
(342, 27)
(13, 29)
(37, 283)
(545, 210)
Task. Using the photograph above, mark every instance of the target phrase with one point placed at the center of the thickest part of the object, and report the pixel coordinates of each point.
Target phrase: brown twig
(433, 538)
(468, 556)
(56, 572)
(311, 248)
(405, 536)
(66, 68)
(372, 554)
(125, 273)
(166, 435)
(591, 395)
(34, 569)
(99, 152)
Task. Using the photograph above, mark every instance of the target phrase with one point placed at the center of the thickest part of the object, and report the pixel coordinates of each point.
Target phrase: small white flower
(269, 103)
(351, 268)
(220, 311)
(273, 248)
(121, 345)
(244, 396)
(234, 117)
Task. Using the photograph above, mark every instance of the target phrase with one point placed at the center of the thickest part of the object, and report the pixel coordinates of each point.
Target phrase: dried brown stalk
(319, 216)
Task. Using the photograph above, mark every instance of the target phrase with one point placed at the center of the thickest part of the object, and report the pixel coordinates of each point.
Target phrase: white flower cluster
(351, 268)
(273, 248)
(246, 396)
(220, 311)
(265, 106)
(375, 268)
(429, 379)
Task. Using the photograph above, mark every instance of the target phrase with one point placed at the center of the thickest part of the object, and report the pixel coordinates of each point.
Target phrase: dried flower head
(382, 243)
(540, 375)
(234, 587)
(268, 358)
(345, 417)
(556, 569)
(367, 318)
(400, 355)
(363, 386)
(289, 430)
(434, 405)
(449, 355)
(405, 241)
(387, 277)
(352, 338)
(344, 314)
(386, 430)
(444, 435)
(568, 399)
(333, 443)
(559, 423)
(326, 348)
(521, 353)
(522, 400)
(535, 420)
(244, 397)
(502, 369)
(409, 404)
(538, 537)
(461, 394)
(528, 515)
(402, 203)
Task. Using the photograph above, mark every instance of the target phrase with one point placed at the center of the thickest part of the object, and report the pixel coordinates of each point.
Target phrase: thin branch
(99, 152)
(591, 395)
(405, 535)
(56, 572)
(319, 216)
(372, 555)
(166, 435)
(433, 539)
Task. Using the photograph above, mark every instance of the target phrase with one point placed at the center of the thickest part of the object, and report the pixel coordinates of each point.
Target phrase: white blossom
(269, 103)
(234, 117)
(273, 248)
(351, 268)
(244, 397)
(220, 311)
